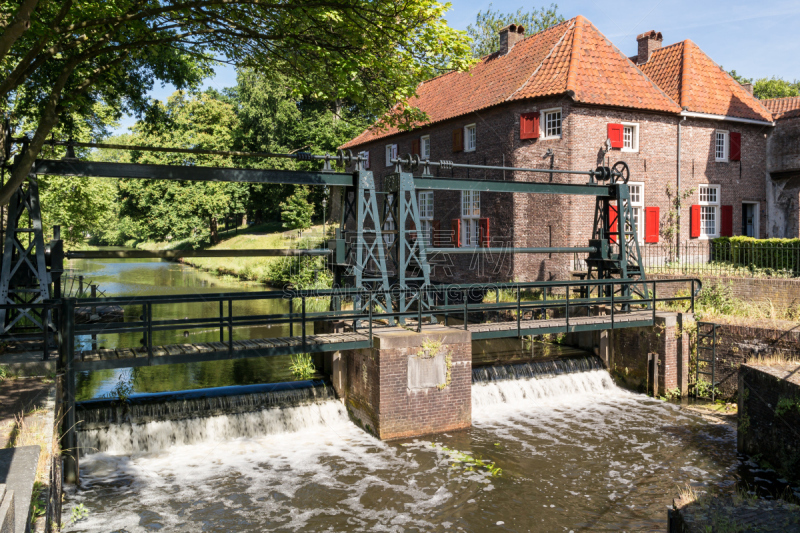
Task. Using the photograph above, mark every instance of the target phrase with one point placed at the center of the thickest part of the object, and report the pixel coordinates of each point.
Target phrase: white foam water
(160, 435)
(576, 452)
(523, 391)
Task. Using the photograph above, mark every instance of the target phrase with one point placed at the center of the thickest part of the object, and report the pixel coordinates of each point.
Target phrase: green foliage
(787, 406)
(38, 502)
(3, 372)
(59, 59)
(296, 212)
(703, 389)
(776, 255)
(469, 462)
(669, 222)
(78, 513)
(716, 298)
(774, 87)
(484, 33)
(303, 366)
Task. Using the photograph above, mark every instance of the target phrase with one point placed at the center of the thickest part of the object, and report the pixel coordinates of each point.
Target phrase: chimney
(648, 42)
(748, 87)
(509, 37)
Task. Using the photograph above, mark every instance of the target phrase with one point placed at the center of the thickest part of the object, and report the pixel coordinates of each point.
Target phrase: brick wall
(764, 428)
(630, 346)
(377, 394)
(783, 179)
(738, 345)
(557, 220)
(783, 294)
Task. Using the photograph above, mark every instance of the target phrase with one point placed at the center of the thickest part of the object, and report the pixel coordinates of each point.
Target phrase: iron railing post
(70, 434)
(519, 320)
(303, 318)
(221, 321)
(654, 303)
(419, 310)
(291, 316)
(465, 310)
(612, 305)
(567, 309)
(149, 333)
(230, 325)
(446, 303)
(713, 360)
(693, 291)
(370, 322)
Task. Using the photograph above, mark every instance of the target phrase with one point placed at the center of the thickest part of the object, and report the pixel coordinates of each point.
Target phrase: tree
(181, 210)
(765, 88)
(484, 34)
(296, 212)
(58, 58)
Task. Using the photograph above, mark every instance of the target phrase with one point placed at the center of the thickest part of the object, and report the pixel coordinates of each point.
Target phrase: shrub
(296, 211)
(774, 254)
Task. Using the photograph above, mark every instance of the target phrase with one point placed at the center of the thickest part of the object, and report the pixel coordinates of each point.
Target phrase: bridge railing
(470, 299)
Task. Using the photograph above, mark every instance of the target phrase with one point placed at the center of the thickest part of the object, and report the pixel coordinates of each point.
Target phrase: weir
(400, 346)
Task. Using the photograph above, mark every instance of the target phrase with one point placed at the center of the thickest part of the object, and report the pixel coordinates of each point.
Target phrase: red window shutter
(458, 140)
(483, 227)
(415, 147)
(436, 228)
(736, 146)
(726, 221)
(455, 232)
(529, 126)
(615, 135)
(613, 222)
(651, 215)
(694, 217)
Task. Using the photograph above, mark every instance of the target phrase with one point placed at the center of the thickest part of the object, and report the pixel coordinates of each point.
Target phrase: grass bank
(305, 272)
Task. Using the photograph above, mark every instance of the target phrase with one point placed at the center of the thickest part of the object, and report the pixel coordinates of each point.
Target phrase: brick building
(783, 168)
(553, 101)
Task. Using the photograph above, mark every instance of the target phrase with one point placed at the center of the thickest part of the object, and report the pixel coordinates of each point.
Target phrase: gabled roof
(788, 107)
(699, 85)
(570, 58)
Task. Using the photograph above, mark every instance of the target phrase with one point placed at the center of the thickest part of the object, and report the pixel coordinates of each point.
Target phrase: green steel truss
(24, 278)
(410, 256)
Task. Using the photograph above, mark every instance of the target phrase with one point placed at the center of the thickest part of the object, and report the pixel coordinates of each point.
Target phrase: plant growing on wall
(670, 222)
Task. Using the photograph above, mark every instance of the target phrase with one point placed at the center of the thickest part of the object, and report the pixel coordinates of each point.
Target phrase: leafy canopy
(296, 212)
(59, 58)
(484, 33)
(774, 87)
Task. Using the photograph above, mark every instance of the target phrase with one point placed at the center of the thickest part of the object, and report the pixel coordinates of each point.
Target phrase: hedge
(776, 254)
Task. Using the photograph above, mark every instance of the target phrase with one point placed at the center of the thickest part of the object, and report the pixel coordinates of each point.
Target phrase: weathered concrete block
(6, 510)
(399, 388)
(18, 472)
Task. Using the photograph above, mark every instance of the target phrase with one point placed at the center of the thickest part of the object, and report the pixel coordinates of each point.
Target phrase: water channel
(575, 452)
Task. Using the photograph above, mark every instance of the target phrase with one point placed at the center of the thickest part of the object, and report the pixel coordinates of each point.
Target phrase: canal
(571, 452)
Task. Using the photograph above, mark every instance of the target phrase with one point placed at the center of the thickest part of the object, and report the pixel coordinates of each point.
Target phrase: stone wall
(769, 416)
(393, 391)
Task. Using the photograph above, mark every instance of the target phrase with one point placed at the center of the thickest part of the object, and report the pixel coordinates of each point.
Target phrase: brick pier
(399, 389)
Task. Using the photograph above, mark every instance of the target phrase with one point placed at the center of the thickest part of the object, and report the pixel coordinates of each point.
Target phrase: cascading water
(146, 426)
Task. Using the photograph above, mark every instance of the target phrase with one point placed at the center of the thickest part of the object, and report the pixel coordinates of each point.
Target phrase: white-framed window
(470, 215)
(551, 123)
(636, 192)
(364, 155)
(470, 138)
(425, 147)
(721, 145)
(426, 216)
(391, 153)
(630, 137)
(709, 211)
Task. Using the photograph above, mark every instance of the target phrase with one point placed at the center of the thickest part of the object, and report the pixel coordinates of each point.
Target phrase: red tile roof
(783, 107)
(692, 79)
(570, 57)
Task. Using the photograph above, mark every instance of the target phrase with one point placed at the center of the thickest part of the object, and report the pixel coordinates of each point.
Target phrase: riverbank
(308, 272)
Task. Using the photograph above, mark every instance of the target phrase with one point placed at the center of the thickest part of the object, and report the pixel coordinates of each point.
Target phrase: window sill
(721, 161)
(629, 150)
(469, 150)
(706, 237)
(550, 138)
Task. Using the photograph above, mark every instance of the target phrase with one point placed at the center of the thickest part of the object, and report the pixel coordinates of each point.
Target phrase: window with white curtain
(636, 191)
(426, 216)
(470, 213)
(709, 210)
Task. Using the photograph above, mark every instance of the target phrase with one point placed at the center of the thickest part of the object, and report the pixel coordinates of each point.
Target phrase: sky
(757, 39)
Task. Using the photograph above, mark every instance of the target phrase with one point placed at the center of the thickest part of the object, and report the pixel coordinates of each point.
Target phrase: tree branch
(20, 24)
